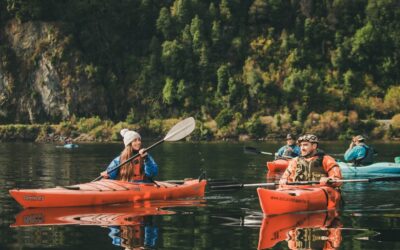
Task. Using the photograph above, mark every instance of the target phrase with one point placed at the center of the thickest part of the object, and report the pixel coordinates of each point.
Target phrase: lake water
(370, 218)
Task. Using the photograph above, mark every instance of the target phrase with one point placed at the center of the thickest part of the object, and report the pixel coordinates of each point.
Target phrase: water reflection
(130, 225)
(223, 224)
(142, 235)
(319, 230)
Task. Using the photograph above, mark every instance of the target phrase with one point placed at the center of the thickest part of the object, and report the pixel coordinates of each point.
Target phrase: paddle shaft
(266, 153)
(273, 184)
(252, 150)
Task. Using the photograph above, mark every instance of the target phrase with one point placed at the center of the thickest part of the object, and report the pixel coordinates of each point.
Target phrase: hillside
(247, 67)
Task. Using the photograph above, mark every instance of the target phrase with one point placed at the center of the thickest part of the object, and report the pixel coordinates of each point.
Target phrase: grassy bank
(329, 125)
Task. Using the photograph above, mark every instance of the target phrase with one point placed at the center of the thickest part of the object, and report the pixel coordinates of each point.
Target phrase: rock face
(42, 78)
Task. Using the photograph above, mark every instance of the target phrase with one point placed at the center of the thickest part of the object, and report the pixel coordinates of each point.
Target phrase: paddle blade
(227, 187)
(181, 130)
(251, 150)
(387, 178)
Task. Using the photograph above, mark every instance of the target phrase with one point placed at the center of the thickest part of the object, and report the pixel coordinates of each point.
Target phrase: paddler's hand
(324, 181)
(282, 182)
(142, 153)
(104, 174)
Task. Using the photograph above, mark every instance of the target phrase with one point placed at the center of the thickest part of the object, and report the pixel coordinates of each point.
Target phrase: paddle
(210, 182)
(251, 150)
(177, 132)
(234, 186)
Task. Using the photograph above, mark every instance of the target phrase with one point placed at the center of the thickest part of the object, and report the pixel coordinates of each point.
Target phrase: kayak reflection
(132, 225)
(144, 233)
(320, 230)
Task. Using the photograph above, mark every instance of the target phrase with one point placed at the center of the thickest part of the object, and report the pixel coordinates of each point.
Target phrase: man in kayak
(312, 165)
(290, 150)
(358, 152)
(140, 169)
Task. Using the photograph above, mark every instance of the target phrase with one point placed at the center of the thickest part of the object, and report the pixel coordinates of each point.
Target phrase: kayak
(277, 165)
(106, 215)
(107, 192)
(292, 199)
(379, 168)
(70, 145)
(323, 228)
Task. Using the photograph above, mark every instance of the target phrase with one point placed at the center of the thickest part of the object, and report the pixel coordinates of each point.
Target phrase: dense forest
(259, 67)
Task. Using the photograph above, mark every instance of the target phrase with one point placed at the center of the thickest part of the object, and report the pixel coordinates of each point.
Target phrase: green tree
(223, 78)
(165, 23)
(196, 30)
(168, 91)
(181, 9)
(216, 33)
(392, 100)
(172, 57)
(225, 11)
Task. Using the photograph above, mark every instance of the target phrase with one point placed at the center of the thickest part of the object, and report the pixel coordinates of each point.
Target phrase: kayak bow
(297, 199)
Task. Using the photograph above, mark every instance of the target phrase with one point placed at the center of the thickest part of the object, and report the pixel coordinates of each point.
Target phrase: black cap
(289, 136)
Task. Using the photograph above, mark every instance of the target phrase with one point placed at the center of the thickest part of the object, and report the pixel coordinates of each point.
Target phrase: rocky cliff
(42, 77)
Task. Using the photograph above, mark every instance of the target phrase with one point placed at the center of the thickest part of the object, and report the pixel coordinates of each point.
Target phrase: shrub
(224, 118)
(327, 125)
(86, 124)
(395, 121)
(255, 128)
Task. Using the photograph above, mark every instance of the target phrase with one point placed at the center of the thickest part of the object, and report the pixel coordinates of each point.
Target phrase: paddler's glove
(104, 174)
(325, 181)
(142, 153)
(282, 182)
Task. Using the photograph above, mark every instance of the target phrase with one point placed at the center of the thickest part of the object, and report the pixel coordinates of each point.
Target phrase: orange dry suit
(312, 169)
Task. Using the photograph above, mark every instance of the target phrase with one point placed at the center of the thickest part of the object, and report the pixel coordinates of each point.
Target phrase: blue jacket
(283, 151)
(360, 154)
(150, 167)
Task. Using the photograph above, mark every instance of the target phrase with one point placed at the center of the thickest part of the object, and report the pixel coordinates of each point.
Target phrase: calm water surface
(370, 218)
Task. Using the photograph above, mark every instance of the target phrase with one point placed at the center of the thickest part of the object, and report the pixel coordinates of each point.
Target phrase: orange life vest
(138, 169)
(309, 169)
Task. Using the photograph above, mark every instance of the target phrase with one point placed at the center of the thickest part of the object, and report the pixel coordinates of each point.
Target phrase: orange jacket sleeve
(287, 175)
(332, 169)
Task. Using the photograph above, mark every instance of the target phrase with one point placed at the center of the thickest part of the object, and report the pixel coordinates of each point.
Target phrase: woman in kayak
(141, 169)
(290, 150)
(312, 165)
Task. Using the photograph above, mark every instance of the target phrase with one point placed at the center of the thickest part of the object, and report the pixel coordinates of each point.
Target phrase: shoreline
(57, 133)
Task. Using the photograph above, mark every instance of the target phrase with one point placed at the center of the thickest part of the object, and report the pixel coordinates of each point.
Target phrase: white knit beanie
(129, 136)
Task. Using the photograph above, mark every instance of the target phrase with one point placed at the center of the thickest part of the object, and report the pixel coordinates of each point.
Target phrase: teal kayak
(378, 168)
(71, 145)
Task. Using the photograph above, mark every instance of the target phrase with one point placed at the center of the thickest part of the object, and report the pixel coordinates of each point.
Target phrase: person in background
(290, 150)
(312, 165)
(358, 152)
(68, 140)
(140, 169)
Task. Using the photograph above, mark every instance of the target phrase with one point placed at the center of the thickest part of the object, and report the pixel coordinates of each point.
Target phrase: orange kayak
(106, 215)
(322, 229)
(278, 165)
(298, 198)
(107, 192)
